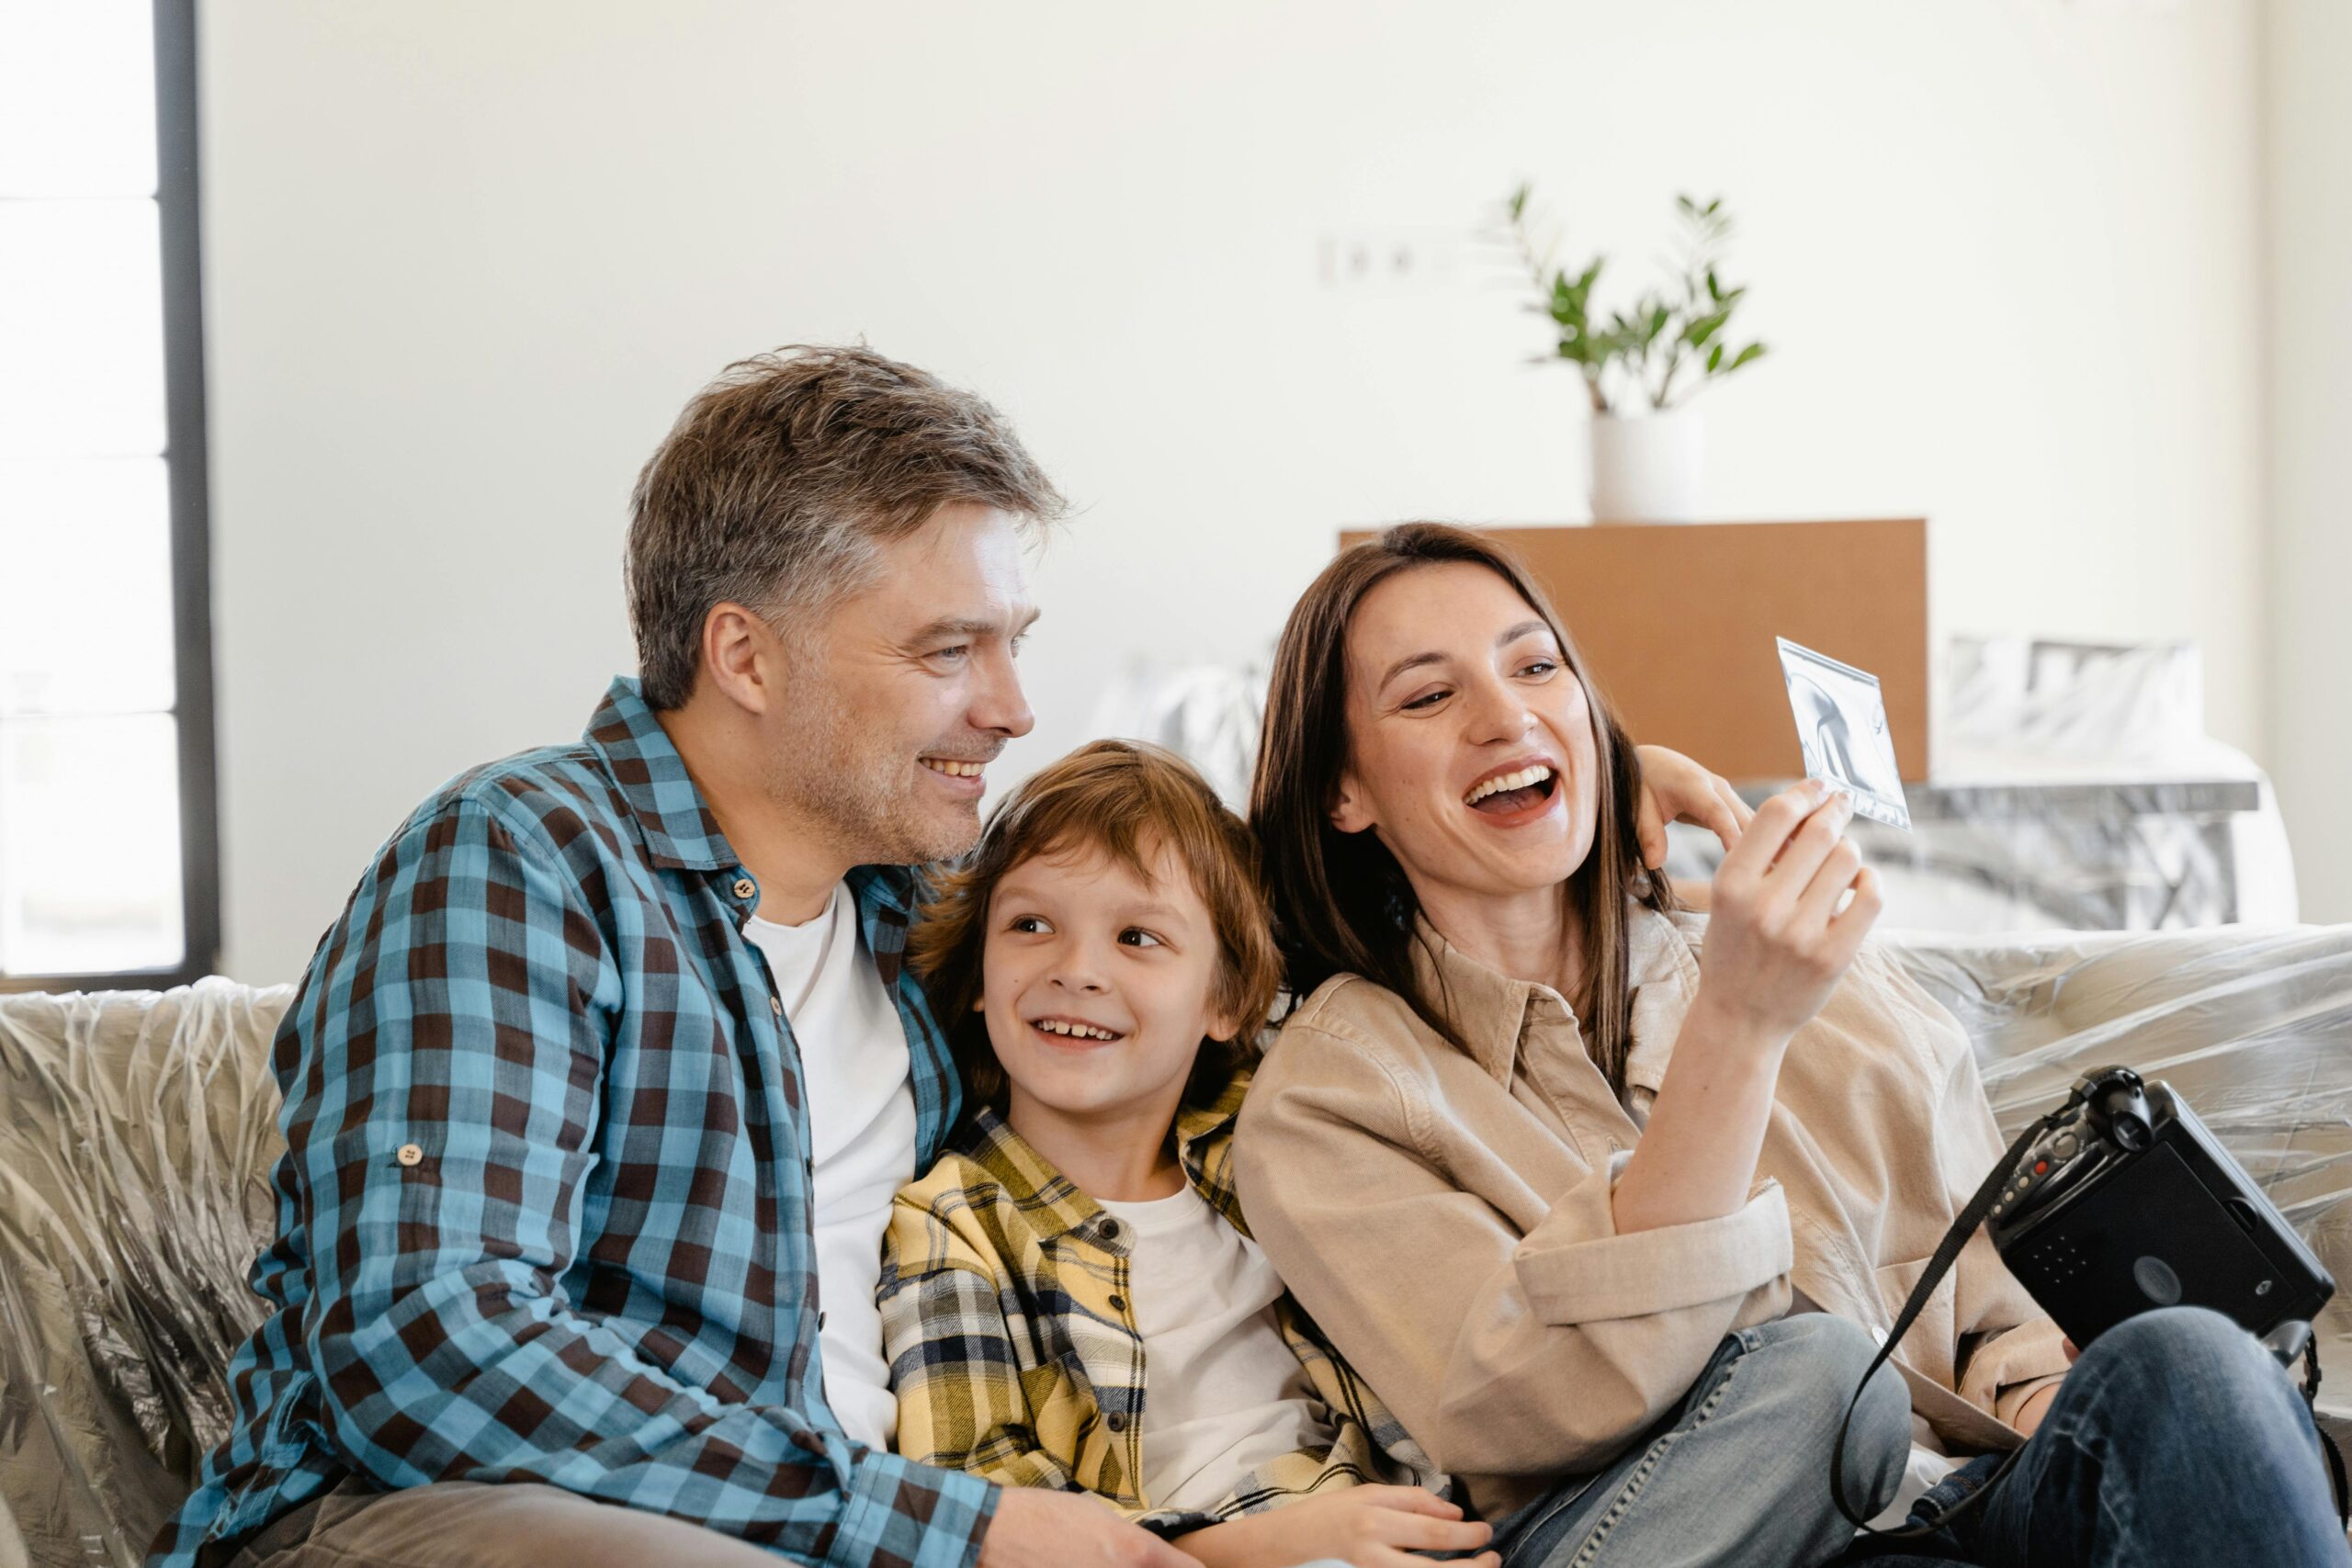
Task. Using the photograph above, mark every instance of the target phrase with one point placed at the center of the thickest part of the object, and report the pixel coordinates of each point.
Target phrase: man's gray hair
(782, 480)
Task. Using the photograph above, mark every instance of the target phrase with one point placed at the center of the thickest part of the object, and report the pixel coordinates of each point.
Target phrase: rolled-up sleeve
(1577, 1268)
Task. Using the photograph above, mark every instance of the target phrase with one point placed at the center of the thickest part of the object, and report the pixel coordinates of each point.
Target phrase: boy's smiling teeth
(953, 769)
(1519, 780)
(1076, 1030)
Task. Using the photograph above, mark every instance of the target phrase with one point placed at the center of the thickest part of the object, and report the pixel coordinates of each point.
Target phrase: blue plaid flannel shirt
(545, 1210)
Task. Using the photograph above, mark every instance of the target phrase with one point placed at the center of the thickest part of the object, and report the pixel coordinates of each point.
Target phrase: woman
(1605, 1225)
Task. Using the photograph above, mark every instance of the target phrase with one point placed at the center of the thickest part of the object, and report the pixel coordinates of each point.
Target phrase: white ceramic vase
(1649, 467)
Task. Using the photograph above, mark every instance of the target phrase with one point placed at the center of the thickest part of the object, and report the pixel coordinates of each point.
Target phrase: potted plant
(1643, 364)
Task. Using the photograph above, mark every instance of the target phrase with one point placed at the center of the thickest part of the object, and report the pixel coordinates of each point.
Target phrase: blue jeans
(1737, 1474)
(2176, 1439)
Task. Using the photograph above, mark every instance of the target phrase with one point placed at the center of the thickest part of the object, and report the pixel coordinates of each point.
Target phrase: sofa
(138, 1131)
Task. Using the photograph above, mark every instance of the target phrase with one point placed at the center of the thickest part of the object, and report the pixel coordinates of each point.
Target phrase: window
(108, 845)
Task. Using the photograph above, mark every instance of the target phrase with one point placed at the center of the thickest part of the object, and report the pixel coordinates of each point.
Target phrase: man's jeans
(2176, 1439)
(1738, 1472)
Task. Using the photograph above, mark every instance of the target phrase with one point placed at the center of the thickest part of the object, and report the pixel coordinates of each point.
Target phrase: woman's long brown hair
(1341, 903)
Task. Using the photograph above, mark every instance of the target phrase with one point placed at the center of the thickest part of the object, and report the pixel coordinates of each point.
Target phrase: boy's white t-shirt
(1224, 1393)
(855, 1076)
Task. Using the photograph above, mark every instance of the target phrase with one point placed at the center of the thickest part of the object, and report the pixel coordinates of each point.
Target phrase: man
(597, 1093)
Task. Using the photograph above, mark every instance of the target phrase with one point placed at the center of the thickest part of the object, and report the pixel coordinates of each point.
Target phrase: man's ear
(1350, 812)
(742, 656)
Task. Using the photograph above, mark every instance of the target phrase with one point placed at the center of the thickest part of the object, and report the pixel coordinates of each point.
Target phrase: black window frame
(185, 451)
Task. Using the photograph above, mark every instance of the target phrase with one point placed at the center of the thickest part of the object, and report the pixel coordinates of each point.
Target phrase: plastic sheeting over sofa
(138, 1131)
(137, 1137)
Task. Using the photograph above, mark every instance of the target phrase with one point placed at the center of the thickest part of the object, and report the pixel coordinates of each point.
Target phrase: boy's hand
(1676, 789)
(1036, 1528)
(1367, 1527)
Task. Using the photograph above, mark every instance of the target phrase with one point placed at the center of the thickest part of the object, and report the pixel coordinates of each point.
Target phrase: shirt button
(776, 1006)
(745, 887)
(1117, 1423)
(1109, 1230)
(1118, 1303)
(410, 1155)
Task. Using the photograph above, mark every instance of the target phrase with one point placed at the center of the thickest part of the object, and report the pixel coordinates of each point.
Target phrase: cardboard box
(1676, 624)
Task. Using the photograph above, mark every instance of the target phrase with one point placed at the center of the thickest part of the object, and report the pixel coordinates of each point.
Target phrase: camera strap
(1947, 1253)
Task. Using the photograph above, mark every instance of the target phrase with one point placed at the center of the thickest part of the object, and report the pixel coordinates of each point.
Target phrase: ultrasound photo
(1841, 725)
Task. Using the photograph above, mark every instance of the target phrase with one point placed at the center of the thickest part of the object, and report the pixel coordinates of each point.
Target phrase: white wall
(2309, 166)
(465, 262)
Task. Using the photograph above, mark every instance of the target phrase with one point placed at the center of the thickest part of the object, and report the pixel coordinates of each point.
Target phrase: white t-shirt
(855, 1072)
(1224, 1395)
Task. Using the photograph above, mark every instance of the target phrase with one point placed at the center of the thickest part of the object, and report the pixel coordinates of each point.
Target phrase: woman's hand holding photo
(1782, 932)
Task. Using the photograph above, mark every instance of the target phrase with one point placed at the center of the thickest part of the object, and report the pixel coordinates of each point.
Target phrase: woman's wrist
(1715, 1028)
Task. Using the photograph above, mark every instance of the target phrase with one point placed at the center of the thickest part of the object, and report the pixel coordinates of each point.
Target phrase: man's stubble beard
(862, 798)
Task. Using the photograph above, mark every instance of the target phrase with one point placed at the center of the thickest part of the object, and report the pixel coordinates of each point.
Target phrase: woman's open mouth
(1514, 795)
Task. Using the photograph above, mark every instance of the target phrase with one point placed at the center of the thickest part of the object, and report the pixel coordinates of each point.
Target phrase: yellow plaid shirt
(1012, 1338)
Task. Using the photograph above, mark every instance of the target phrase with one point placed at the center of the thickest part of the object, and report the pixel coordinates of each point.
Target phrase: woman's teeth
(1075, 1031)
(1519, 780)
(952, 769)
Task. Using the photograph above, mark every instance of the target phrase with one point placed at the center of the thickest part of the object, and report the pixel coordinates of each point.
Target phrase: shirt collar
(679, 829)
(1491, 1012)
(1054, 1205)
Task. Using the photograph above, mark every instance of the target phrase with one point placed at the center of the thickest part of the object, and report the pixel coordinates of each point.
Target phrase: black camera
(2124, 1201)
(2115, 1203)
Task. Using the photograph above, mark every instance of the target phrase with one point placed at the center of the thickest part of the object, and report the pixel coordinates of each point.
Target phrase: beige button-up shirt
(1446, 1216)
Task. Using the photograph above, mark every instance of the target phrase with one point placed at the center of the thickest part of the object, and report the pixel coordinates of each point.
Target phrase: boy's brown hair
(1128, 800)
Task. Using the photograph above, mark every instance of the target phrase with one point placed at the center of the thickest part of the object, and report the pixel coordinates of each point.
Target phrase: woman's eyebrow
(1415, 661)
(1410, 661)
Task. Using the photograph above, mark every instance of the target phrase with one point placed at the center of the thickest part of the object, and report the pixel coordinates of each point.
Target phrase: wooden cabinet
(1677, 624)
